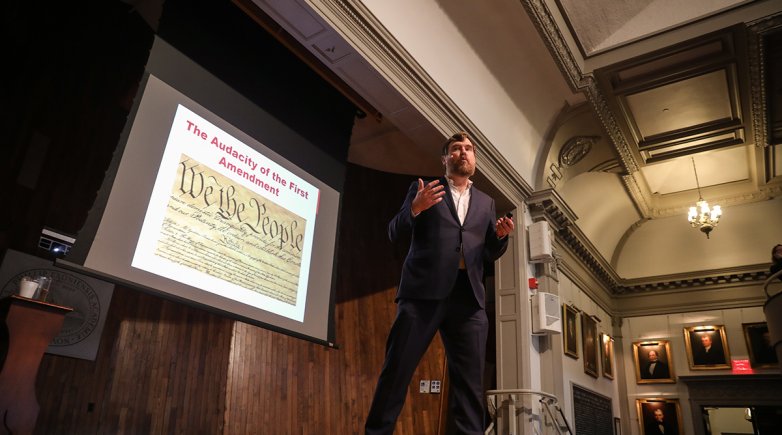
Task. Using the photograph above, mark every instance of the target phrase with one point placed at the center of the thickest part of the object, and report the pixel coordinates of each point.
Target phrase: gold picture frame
(656, 412)
(589, 344)
(761, 354)
(707, 347)
(570, 335)
(653, 362)
(607, 354)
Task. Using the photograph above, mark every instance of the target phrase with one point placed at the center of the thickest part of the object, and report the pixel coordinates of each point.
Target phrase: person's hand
(504, 226)
(428, 195)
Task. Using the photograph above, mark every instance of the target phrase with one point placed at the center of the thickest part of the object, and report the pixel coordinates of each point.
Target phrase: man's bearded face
(460, 160)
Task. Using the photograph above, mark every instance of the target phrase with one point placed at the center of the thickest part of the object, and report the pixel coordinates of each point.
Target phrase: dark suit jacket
(652, 428)
(660, 371)
(432, 262)
(715, 355)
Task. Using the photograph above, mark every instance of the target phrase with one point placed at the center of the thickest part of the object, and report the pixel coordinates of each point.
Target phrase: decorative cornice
(607, 118)
(575, 240)
(757, 87)
(547, 204)
(381, 50)
(757, 74)
(552, 36)
(740, 276)
(387, 56)
(637, 194)
(547, 27)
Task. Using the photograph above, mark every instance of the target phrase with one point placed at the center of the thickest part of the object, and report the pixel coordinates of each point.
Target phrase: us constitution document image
(226, 231)
(227, 220)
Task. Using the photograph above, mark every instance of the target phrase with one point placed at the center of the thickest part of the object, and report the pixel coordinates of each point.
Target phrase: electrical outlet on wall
(435, 387)
(423, 386)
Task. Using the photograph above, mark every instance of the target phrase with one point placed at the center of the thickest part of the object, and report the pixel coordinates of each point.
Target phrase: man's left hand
(504, 226)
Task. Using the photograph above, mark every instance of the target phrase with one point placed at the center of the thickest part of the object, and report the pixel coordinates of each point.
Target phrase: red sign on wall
(741, 367)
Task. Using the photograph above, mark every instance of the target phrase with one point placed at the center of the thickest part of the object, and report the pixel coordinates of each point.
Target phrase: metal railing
(510, 398)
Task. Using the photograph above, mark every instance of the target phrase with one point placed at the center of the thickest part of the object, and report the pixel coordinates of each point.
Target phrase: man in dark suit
(454, 232)
(708, 351)
(660, 426)
(655, 369)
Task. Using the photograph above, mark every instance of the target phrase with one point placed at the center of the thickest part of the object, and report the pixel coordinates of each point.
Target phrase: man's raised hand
(428, 195)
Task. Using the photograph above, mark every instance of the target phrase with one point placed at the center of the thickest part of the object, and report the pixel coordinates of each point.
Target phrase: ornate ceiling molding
(552, 36)
(547, 204)
(385, 54)
(547, 28)
(380, 49)
(582, 248)
(607, 118)
(757, 74)
(637, 194)
(740, 276)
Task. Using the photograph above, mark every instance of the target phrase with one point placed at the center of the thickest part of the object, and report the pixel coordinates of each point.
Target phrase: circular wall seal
(70, 291)
(575, 149)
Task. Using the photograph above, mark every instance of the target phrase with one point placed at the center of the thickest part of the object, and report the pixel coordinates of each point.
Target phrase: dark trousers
(464, 329)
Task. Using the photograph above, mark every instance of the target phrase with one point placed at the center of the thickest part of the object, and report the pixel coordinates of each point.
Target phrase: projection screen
(201, 212)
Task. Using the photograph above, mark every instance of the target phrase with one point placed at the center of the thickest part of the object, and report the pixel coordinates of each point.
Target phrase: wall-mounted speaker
(546, 313)
(540, 242)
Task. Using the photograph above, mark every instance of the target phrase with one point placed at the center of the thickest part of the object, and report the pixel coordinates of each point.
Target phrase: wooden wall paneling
(358, 373)
(160, 403)
(233, 373)
(306, 388)
(155, 369)
(229, 390)
(164, 367)
(161, 373)
(65, 387)
(215, 399)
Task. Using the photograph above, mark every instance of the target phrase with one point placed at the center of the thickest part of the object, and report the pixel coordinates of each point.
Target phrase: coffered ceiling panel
(664, 110)
(683, 100)
(676, 175)
(695, 114)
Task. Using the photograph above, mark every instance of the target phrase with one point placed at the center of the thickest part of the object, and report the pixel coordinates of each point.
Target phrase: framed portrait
(761, 353)
(707, 347)
(607, 354)
(570, 337)
(589, 344)
(653, 362)
(659, 416)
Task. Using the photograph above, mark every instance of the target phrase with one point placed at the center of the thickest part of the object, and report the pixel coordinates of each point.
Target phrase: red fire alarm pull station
(533, 283)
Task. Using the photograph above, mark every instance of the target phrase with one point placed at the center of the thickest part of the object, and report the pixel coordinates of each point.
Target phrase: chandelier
(702, 216)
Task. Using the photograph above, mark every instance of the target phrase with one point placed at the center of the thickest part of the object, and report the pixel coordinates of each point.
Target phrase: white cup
(27, 287)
